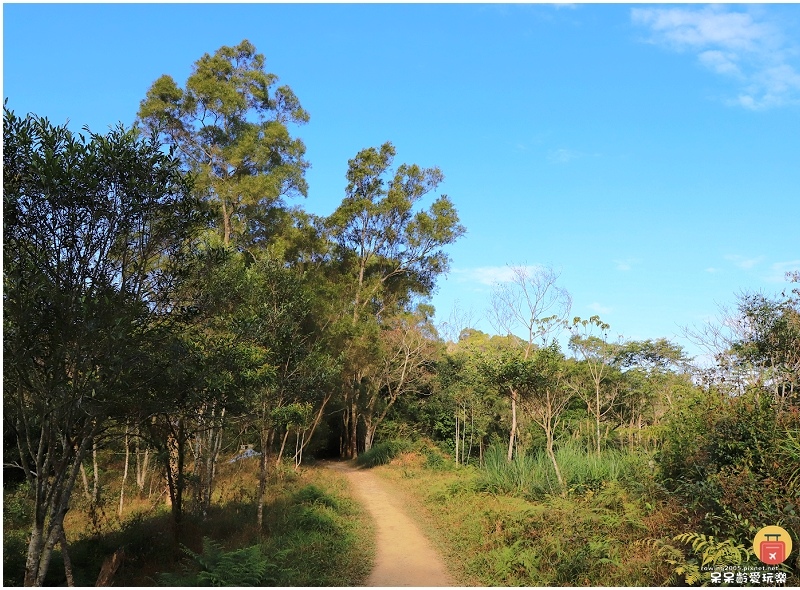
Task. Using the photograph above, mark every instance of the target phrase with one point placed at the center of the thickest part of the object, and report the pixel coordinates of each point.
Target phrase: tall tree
(229, 124)
(90, 227)
(389, 252)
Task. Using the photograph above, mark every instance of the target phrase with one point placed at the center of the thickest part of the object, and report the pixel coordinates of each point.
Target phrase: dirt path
(403, 556)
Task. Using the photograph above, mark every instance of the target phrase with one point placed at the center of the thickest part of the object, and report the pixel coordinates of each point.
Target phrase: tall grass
(533, 476)
(511, 539)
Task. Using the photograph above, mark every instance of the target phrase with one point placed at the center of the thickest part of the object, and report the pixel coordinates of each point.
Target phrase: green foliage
(533, 475)
(97, 227)
(229, 126)
(311, 494)
(241, 567)
(502, 540)
(383, 452)
(706, 553)
(732, 455)
(311, 531)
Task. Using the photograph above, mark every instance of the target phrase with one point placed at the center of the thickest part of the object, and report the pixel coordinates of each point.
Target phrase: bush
(730, 454)
(383, 452)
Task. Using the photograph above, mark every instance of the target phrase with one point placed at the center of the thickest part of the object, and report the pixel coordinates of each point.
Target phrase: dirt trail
(403, 556)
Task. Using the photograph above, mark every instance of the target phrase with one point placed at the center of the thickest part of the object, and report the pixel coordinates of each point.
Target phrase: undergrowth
(512, 533)
(309, 524)
(533, 476)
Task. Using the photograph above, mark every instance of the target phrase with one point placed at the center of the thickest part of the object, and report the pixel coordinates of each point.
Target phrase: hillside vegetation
(168, 309)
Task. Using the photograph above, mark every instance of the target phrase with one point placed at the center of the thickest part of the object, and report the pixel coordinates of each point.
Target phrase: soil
(403, 555)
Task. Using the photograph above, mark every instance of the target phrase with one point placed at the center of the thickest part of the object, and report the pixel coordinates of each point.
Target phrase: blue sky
(649, 153)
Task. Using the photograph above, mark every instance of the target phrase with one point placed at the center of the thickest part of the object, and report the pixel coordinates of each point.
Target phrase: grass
(533, 476)
(313, 535)
(522, 535)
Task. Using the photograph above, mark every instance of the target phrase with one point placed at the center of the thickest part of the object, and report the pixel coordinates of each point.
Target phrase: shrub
(383, 452)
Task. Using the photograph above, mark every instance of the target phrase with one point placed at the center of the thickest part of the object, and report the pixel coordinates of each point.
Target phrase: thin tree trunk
(513, 425)
(262, 479)
(597, 417)
(552, 456)
(354, 429)
(48, 523)
(96, 484)
(317, 420)
(124, 472)
(457, 438)
(67, 560)
(283, 445)
(85, 479)
(471, 431)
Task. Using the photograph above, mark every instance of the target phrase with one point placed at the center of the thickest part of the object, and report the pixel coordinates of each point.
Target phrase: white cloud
(778, 270)
(721, 62)
(712, 270)
(743, 262)
(626, 264)
(562, 155)
(732, 43)
(601, 309)
(488, 275)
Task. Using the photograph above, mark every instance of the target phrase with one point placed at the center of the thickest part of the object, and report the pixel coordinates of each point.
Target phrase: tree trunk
(124, 473)
(370, 428)
(307, 437)
(283, 445)
(48, 525)
(597, 416)
(457, 437)
(142, 465)
(262, 479)
(353, 453)
(552, 456)
(67, 561)
(175, 451)
(85, 480)
(226, 222)
(96, 475)
(471, 432)
(513, 425)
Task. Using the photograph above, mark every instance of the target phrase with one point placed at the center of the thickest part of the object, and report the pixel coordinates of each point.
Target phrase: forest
(184, 346)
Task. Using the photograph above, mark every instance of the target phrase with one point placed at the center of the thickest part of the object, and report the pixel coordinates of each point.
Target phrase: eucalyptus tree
(388, 252)
(230, 127)
(94, 230)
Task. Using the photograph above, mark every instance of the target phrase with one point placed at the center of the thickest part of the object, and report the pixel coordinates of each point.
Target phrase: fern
(707, 553)
(241, 567)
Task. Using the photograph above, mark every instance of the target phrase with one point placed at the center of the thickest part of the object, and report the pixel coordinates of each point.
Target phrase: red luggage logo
(772, 545)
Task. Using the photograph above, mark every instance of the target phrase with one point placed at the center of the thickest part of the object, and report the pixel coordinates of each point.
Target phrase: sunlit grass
(491, 537)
